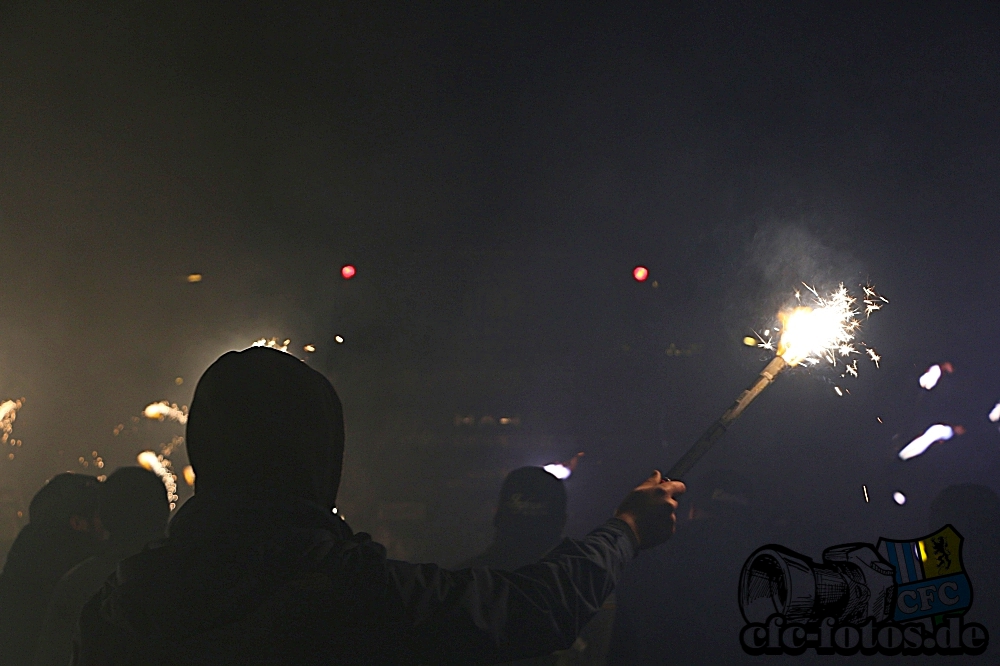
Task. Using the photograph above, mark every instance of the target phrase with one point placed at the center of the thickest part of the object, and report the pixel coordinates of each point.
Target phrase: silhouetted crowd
(257, 569)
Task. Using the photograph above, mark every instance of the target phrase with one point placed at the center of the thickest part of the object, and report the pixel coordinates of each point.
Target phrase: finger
(656, 477)
(675, 487)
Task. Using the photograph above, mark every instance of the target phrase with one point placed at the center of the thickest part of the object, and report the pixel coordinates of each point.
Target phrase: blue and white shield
(930, 576)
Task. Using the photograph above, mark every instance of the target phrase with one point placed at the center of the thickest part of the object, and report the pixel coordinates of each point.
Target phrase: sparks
(161, 466)
(899, 498)
(819, 332)
(995, 413)
(866, 493)
(936, 433)
(175, 442)
(272, 344)
(158, 411)
(8, 413)
(874, 357)
(839, 392)
(852, 369)
(873, 302)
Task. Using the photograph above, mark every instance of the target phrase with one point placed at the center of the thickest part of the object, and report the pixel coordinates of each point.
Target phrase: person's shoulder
(88, 574)
(484, 559)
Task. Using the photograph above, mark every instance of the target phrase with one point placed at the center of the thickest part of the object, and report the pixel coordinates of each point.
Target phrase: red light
(348, 271)
(640, 273)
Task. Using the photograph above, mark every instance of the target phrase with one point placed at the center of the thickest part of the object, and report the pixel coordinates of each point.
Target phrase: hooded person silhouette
(260, 571)
(133, 508)
(529, 520)
(63, 530)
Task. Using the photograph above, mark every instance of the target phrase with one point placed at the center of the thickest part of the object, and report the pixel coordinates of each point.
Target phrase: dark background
(495, 170)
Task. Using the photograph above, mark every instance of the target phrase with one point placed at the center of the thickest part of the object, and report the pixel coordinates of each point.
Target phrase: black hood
(263, 421)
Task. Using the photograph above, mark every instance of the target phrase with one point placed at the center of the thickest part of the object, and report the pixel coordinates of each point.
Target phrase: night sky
(495, 171)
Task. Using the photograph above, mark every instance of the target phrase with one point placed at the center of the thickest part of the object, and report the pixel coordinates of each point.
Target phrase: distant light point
(348, 271)
(640, 273)
(194, 277)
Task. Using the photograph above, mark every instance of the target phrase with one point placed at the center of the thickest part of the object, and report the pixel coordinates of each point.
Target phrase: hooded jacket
(283, 581)
(38, 558)
(257, 570)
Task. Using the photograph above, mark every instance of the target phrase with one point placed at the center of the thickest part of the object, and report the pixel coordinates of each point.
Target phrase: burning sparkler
(159, 411)
(824, 330)
(161, 466)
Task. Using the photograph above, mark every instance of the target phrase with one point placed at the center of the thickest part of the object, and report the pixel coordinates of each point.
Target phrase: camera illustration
(852, 584)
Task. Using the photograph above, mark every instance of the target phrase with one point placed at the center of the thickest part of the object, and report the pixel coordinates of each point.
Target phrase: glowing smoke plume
(936, 433)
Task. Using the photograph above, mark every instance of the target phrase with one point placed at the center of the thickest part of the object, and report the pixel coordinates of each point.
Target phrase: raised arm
(482, 615)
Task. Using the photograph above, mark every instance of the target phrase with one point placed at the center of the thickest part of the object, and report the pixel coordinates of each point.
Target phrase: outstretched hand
(649, 510)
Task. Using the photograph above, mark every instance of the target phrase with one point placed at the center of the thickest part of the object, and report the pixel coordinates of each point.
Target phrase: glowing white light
(866, 492)
(936, 433)
(929, 379)
(995, 414)
(558, 470)
(899, 498)
(339, 340)
(821, 332)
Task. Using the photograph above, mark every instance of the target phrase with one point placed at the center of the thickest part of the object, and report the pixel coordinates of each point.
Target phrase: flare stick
(712, 435)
